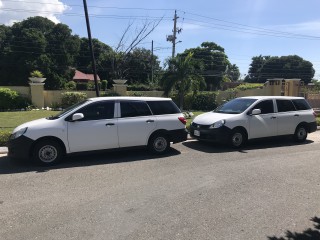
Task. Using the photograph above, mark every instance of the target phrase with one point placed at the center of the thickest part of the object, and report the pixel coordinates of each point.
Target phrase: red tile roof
(80, 76)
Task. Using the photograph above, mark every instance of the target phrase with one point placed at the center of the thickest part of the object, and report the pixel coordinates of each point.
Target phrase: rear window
(134, 109)
(285, 105)
(163, 107)
(301, 104)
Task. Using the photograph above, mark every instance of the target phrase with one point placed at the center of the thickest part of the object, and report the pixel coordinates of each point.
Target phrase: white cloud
(18, 10)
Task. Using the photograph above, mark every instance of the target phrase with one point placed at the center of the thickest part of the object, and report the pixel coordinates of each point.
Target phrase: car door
(264, 124)
(96, 131)
(135, 123)
(287, 116)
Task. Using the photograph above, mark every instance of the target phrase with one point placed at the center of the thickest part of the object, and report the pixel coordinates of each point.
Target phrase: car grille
(199, 126)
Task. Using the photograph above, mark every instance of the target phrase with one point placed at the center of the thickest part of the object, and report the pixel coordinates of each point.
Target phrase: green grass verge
(10, 120)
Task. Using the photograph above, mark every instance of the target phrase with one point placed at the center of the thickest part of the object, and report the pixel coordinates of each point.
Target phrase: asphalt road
(268, 190)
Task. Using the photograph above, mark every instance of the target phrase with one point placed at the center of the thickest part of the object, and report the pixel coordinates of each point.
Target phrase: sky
(244, 28)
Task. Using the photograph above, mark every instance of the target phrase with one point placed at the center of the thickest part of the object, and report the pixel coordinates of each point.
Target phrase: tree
(264, 67)
(37, 43)
(182, 74)
(214, 62)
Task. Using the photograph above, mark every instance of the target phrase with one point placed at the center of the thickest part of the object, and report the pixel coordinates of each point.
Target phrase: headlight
(218, 124)
(18, 133)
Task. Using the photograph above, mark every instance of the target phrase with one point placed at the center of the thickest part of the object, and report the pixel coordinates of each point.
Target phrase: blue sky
(243, 28)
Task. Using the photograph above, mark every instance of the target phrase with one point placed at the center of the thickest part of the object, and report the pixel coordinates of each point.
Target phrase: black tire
(47, 152)
(301, 133)
(159, 144)
(238, 138)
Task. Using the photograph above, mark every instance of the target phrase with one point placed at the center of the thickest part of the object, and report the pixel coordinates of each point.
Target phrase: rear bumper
(312, 127)
(179, 135)
(20, 147)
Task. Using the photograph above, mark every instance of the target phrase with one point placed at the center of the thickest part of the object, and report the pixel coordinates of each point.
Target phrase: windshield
(67, 110)
(235, 106)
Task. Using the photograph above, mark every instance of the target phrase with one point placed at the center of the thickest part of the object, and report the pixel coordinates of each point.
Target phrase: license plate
(196, 133)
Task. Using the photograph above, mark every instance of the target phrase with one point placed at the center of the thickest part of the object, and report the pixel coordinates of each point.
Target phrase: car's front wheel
(159, 144)
(237, 138)
(47, 152)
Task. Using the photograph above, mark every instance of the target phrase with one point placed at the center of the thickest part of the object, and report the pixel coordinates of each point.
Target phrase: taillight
(183, 120)
(314, 114)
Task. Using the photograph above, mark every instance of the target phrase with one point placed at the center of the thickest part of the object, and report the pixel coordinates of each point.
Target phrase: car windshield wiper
(52, 117)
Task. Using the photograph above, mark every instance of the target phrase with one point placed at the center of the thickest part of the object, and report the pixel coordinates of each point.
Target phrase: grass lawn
(10, 120)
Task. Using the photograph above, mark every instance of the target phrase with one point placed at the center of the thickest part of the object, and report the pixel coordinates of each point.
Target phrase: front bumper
(20, 147)
(211, 135)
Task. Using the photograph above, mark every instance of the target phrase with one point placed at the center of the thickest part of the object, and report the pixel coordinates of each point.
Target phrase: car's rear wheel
(238, 138)
(159, 144)
(301, 133)
(47, 152)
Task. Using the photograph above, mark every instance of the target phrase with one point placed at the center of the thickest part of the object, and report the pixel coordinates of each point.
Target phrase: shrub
(200, 101)
(246, 86)
(104, 84)
(4, 137)
(71, 85)
(36, 74)
(110, 94)
(10, 99)
(82, 86)
(70, 98)
(143, 87)
(204, 101)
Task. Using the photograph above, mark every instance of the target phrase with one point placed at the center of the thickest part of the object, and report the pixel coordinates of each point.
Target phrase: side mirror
(256, 112)
(77, 116)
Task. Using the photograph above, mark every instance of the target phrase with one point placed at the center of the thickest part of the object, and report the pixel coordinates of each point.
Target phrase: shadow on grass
(9, 166)
(308, 234)
(209, 147)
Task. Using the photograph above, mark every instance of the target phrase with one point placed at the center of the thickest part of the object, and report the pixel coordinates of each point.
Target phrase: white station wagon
(98, 124)
(246, 118)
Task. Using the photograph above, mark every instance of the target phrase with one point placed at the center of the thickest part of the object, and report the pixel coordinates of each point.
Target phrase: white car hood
(212, 117)
(34, 123)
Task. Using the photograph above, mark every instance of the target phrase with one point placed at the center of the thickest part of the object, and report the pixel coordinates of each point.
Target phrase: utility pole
(173, 38)
(91, 48)
(152, 61)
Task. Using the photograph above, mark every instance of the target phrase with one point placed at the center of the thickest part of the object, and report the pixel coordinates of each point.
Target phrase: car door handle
(109, 124)
(149, 121)
(273, 117)
(296, 115)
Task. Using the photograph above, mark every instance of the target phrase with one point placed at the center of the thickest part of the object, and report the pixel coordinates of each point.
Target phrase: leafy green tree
(264, 67)
(38, 43)
(214, 63)
(182, 75)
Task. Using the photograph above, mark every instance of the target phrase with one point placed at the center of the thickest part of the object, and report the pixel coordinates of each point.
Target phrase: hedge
(70, 98)
(201, 101)
(11, 100)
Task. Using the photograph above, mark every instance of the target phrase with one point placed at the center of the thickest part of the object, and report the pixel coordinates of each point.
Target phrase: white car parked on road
(98, 124)
(246, 118)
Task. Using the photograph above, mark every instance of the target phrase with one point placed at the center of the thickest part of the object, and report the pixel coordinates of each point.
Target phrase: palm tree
(182, 75)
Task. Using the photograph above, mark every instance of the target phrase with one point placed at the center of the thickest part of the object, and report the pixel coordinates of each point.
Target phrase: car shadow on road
(308, 234)
(9, 166)
(210, 147)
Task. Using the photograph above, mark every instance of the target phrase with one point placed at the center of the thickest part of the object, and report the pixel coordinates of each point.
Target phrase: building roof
(84, 77)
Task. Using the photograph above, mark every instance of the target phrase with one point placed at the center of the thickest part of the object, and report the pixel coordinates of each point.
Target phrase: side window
(265, 106)
(134, 109)
(285, 105)
(301, 104)
(163, 107)
(97, 111)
